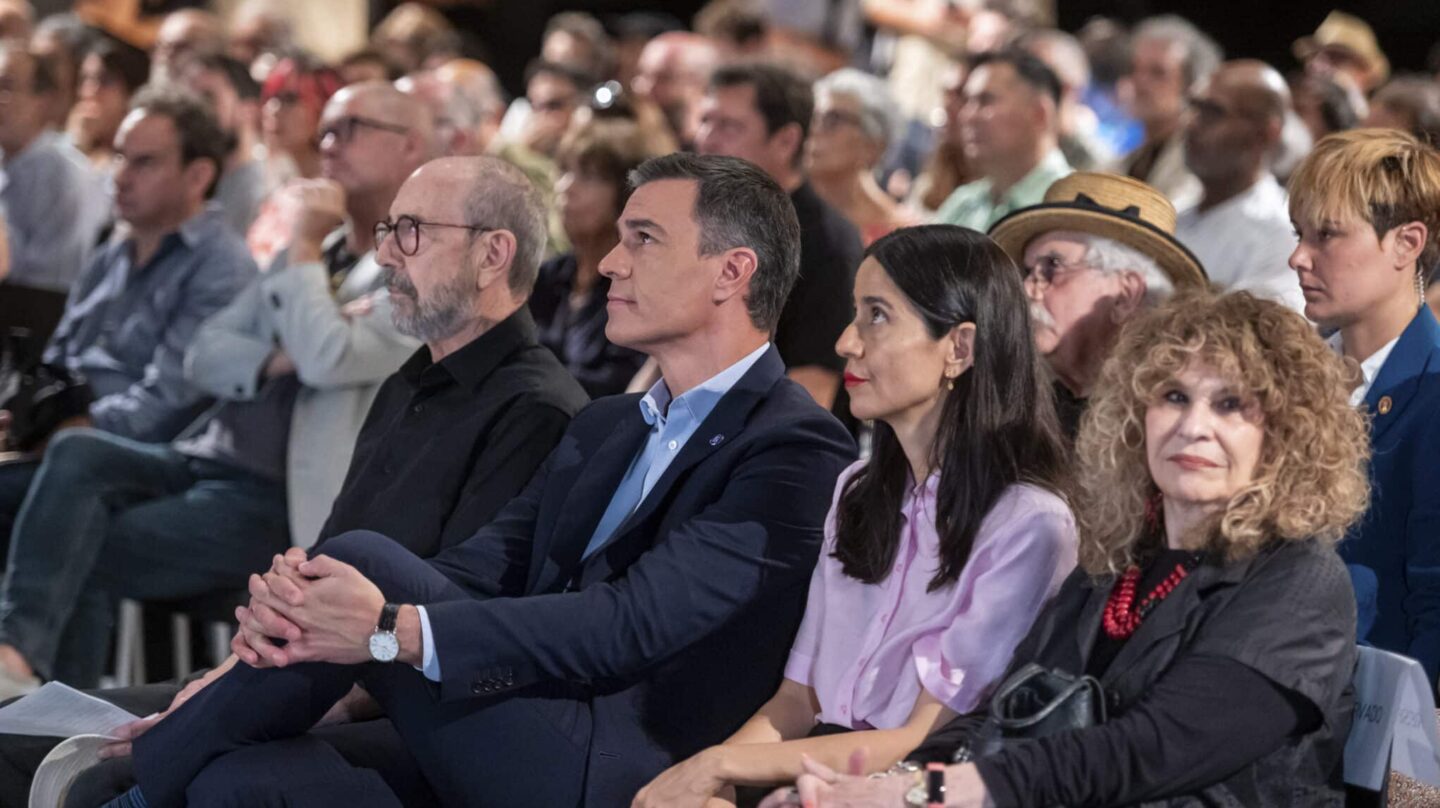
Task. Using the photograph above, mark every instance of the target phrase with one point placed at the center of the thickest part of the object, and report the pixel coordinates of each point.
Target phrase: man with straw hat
(1344, 46)
(1098, 249)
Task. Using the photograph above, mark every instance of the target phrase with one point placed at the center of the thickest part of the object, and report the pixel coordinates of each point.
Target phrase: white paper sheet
(61, 711)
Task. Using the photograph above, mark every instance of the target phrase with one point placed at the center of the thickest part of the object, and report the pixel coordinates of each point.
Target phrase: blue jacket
(1394, 552)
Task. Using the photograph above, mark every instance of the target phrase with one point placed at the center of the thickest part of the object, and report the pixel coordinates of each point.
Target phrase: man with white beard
(1099, 249)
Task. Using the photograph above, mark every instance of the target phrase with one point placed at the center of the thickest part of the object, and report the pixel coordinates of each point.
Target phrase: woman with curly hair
(1366, 204)
(1220, 462)
(941, 548)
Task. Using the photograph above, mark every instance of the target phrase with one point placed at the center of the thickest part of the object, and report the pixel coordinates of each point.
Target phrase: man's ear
(962, 350)
(199, 174)
(787, 141)
(1131, 297)
(493, 253)
(737, 268)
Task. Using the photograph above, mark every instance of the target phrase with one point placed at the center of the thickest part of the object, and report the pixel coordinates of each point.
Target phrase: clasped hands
(322, 609)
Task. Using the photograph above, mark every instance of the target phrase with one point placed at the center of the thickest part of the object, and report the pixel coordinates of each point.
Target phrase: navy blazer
(676, 631)
(1394, 553)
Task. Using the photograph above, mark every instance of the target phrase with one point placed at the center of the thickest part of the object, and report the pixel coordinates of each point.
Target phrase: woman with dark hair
(1219, 464)
(569, 299)
(110, 72)
(940, 549)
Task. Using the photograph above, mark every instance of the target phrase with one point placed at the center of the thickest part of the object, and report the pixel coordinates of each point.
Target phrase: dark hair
(373, 56)
(235, 73)
(608, 147)
(782, 96)
(1027, 67)
(997, 426)
(120, 59)
(738, 205)
(582, 81)
(195, 125)
(1336, 103)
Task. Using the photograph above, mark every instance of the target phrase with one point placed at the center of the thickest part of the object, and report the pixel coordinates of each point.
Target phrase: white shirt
(1245, 243)
(1369, 369)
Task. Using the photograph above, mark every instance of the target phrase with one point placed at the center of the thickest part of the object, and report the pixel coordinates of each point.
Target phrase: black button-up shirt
(448, 443)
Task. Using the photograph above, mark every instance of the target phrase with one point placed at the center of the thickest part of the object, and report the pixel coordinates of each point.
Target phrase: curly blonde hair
(1311, 480)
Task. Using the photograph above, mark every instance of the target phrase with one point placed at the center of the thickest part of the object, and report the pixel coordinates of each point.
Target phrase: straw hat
(1109, 205)
(1349, 33)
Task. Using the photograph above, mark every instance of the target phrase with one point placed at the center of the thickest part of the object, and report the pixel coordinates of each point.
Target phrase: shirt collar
(698, 402)
(1369, 369)
(476, 360)
(199, 226)
(1033, 185)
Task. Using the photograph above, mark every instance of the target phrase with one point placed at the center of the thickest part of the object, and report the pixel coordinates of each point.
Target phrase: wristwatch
(384, 645)
(929, 792)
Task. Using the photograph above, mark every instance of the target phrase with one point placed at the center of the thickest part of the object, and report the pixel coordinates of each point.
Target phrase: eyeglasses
(832, 119)
(343, 130)
(1043, 272)
(407, 232)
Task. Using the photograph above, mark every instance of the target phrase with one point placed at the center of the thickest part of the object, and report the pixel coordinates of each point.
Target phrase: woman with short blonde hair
(1366, 205)
(1220, 461)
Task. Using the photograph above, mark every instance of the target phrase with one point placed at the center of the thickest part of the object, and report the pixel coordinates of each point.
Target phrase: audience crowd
(909, 403)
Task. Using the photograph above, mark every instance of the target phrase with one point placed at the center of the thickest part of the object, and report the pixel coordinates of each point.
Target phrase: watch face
(384, 646)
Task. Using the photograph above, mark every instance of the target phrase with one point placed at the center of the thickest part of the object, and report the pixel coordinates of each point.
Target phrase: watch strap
(935, 785)
(388, 613)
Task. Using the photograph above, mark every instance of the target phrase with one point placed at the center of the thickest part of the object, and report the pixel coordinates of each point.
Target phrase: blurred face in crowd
(1341, 63)
(15, 19)
(287, 122)
(181, 35)
(661, 288)
(589, 201)
(1076, 309)
(838, 144)
(103, 100)
(1346, 271)
(433, 292)
(731, 125)
(1002, 118)
(553, 100)
(894, 369)
(358, 140)
(1157, 81)
(564, 48)
(661, 76)
(154, 187)
(215, 88)
(1203, 436)
(22, 110)
(1222, 138)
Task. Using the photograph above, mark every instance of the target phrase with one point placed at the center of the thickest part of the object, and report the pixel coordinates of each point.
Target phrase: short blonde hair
(1311, 479)
(1384, 177)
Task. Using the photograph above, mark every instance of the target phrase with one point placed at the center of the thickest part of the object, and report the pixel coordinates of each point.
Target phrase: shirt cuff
(429, 660)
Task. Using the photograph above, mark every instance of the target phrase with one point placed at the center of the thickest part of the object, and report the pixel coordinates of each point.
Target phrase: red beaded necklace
(1121, 620)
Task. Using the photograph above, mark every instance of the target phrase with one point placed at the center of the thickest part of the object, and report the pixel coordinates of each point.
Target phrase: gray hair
(879, 114)
(503, 198)
(1202, 55)
(1111, 257)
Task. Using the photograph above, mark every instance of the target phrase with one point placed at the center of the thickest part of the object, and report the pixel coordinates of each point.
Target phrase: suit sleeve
(759, 538)
(229, 350)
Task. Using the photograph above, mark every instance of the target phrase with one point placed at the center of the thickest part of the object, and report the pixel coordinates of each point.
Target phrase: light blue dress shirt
(672, 424)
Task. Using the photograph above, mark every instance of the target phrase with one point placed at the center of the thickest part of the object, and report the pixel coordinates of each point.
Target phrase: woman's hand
(687, 784)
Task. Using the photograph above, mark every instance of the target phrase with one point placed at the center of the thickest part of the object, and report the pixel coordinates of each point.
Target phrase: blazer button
(476, 688)
(275, 299)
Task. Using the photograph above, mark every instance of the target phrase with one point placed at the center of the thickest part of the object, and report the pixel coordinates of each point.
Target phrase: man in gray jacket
(296, 366)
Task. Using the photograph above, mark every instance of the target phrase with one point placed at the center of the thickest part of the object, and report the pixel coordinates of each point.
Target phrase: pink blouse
(868, 649)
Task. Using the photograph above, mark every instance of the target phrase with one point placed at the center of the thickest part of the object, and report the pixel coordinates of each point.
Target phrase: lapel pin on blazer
(1384, 405)
(715, 441)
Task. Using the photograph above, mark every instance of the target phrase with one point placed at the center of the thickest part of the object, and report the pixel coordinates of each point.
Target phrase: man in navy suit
(633, 605)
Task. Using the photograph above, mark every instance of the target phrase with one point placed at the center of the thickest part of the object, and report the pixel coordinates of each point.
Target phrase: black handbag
(38, 395)
(1035, 702)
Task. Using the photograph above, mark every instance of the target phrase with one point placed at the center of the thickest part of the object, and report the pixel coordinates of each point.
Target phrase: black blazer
(671, 635)
(1288, 614)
